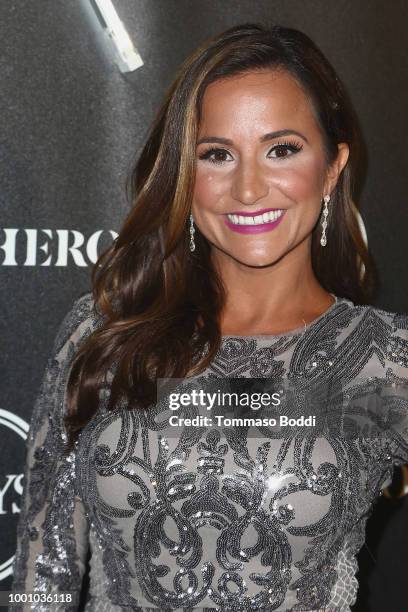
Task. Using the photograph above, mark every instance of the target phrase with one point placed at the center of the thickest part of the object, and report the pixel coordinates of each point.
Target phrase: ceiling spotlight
(127, 56)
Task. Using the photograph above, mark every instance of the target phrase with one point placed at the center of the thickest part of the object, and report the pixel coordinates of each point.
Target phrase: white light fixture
(127, 56)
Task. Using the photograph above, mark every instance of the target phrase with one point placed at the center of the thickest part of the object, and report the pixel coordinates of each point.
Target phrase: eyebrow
(264, 138)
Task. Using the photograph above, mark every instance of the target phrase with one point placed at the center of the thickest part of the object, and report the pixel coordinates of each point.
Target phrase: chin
(257, 260)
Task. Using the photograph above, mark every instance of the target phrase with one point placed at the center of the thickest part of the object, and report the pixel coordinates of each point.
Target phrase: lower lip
(253, 229)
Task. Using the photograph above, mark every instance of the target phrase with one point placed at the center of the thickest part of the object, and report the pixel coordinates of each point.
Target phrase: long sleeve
(52, 531)
(395, 395)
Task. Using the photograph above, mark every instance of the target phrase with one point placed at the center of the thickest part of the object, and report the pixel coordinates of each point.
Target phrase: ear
(336, 167)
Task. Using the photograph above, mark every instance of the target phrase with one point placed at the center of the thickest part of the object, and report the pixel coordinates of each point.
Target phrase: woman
(241, 258)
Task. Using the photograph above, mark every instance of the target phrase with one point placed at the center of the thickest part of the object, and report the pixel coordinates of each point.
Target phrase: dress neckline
(298, 330)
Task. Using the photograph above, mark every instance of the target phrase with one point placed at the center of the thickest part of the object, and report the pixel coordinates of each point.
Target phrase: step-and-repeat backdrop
(72, 122)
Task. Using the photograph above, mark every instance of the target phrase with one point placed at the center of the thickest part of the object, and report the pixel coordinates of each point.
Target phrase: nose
(249, 184)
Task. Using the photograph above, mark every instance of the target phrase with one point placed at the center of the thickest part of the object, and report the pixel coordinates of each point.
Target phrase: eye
(283, 147)
(214, 155)
(217, 156)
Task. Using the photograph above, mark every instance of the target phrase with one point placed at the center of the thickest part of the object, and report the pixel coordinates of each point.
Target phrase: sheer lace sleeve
(396, 393)
(52, 532)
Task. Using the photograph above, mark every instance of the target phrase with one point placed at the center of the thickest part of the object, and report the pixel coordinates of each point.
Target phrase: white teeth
(267, 217)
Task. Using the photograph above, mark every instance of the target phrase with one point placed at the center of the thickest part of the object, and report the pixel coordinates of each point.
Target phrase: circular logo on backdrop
(13, 439)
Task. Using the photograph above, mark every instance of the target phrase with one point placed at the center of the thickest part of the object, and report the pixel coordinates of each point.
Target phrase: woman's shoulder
(394, 319)
(386, 329)
(81, 319)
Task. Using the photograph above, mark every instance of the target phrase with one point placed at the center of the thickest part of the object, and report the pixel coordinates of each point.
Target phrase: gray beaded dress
(212, 520)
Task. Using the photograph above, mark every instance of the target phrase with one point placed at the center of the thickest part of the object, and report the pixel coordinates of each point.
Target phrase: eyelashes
(293, 146)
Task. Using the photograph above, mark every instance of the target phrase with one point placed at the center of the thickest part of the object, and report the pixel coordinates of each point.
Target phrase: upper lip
(252, 214)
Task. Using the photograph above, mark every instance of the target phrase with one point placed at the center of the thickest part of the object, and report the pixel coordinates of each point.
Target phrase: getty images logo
(46, 247)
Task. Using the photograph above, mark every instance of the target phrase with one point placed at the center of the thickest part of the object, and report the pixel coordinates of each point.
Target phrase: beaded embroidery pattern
(209, 522)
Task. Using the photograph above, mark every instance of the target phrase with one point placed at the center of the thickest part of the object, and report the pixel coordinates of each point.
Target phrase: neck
(270, 299)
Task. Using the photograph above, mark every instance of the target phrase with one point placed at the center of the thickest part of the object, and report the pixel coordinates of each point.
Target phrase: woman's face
(259, 149)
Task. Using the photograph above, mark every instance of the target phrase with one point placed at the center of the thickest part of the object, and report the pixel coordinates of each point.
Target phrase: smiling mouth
(266, 217)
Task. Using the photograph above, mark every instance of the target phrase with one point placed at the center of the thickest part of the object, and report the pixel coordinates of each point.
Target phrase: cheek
(209, 188)
(301, 184)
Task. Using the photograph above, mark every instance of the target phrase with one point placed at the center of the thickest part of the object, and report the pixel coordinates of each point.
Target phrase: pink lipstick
(256, 228)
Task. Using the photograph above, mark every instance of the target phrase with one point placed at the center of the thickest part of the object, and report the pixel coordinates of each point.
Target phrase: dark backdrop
(71, 126)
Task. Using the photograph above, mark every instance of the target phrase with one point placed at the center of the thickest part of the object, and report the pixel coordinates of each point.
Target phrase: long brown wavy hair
(159, 303)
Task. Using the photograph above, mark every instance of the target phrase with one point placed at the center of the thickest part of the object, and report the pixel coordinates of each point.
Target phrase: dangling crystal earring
(192, 230)
(323, 239)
